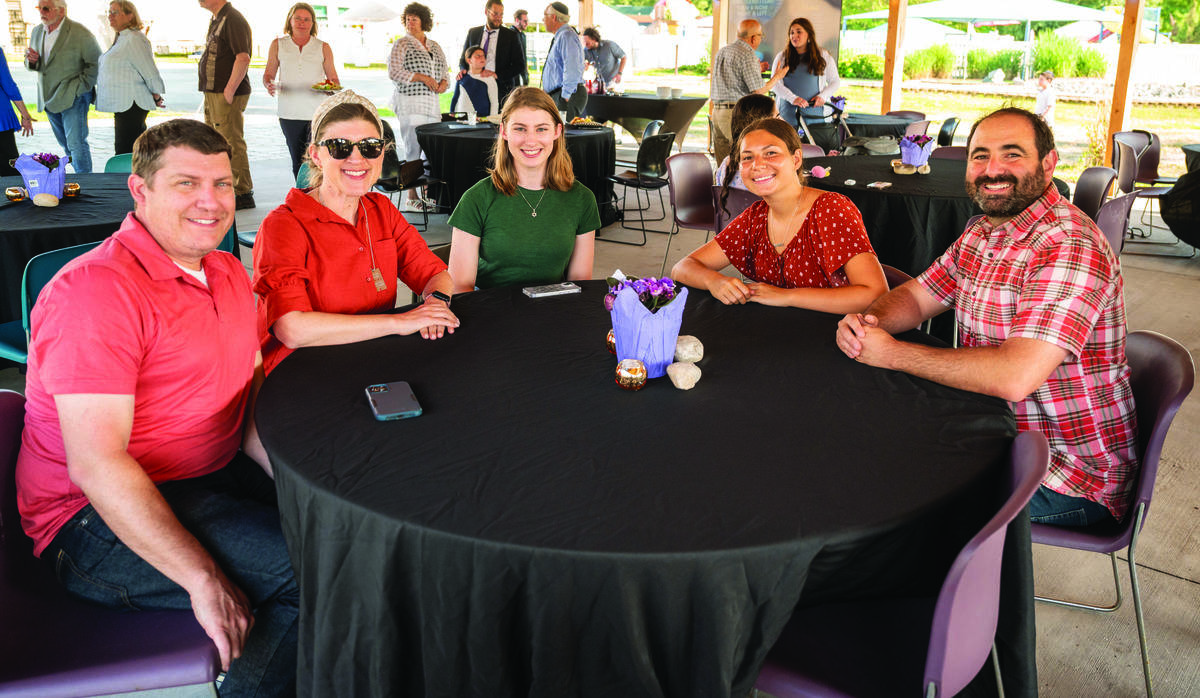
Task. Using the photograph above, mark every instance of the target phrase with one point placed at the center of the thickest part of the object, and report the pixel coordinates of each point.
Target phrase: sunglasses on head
(340, 148)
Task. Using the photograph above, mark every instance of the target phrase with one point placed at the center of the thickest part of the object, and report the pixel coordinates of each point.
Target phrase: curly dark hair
(418, 10)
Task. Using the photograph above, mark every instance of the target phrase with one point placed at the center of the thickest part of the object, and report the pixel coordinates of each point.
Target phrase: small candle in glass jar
(631, 374)
(71, 189)
(14, 194)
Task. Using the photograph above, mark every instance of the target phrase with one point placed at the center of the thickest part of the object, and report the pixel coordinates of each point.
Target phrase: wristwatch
(438, 295)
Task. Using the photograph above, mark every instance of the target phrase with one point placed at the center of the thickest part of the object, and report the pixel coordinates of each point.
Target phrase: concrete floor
(1079, 653)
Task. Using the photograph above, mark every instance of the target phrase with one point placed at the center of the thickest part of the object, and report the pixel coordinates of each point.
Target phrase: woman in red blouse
(799, 247)
(326, 261)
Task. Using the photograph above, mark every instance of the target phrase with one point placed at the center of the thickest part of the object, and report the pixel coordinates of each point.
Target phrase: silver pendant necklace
(532, 208)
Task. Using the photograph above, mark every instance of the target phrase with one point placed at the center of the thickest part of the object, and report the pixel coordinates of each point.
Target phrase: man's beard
(1024, 192)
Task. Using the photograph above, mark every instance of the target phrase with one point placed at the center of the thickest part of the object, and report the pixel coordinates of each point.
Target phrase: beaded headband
(343, 97)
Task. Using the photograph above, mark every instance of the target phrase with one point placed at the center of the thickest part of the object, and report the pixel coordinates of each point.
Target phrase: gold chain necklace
(788, 229)
(532, 209)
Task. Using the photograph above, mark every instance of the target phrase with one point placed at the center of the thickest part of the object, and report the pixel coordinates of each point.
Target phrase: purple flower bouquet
(646, 315)
(915, 150)
(43, 173)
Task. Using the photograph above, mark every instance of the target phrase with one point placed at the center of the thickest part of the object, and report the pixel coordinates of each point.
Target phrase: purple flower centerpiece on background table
(838, 102)
(915, 150)
(646, 315)
(44, 176)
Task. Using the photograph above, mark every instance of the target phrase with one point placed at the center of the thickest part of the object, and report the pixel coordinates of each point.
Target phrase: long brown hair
(772, 125)
(812, 53)
(559, 175)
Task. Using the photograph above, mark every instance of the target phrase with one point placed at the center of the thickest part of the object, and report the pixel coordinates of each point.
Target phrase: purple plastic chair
(811, 150)
(1091, 190)
(877, 647)
(739, 200)
(689, 177)
(1161, 376)
(894, 276)
(907, 114)
(56, 645)
(949, 152)
(1113, 220)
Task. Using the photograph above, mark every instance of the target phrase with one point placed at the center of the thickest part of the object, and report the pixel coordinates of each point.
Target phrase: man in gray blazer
(65, 56)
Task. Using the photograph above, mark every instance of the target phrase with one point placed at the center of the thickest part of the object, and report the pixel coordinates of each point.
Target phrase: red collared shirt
(124, 319)
(1048, 274)
(308, 258)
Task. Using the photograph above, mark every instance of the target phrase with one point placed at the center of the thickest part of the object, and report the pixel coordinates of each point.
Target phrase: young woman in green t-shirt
(530, 222)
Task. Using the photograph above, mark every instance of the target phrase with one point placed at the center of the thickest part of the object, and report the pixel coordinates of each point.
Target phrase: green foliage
(1182, 19)
(981, 62)
(864, 66)
(1067, 57)
(935, 61)
(701, 68)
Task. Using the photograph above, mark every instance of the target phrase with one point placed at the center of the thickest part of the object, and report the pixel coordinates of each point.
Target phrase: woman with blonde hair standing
(301, 60)
(418, 68)
(530, 221)
(128, 83)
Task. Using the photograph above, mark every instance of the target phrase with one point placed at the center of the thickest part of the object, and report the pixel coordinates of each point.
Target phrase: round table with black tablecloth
(27, 230)
(1191, 156)
(875, 125)
(459, 155)
(540, 532)
(633, 111)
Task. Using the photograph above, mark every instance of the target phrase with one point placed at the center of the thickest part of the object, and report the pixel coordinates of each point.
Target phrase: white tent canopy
(974, 12)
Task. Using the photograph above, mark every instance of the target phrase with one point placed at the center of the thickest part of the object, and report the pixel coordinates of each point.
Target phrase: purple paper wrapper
(646, 336)
(913, 154)
(39, 179)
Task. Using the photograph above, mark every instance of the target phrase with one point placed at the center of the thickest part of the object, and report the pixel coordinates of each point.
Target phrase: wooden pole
(893, 62)
(586, 15)
(1131, 23)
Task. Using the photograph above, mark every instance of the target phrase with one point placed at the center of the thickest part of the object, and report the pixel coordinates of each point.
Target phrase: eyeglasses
(115, 13)
(340, 148)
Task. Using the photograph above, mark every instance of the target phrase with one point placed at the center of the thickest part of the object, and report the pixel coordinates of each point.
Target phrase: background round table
(459, 155)
(875, 125)
(634, 110)
(541, 532)
(1191, 156)
(27, 230)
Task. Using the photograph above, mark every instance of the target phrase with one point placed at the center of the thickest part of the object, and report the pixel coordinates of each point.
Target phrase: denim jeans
(1050, 507)
(71, 130)
(296, 135)
(233, 515)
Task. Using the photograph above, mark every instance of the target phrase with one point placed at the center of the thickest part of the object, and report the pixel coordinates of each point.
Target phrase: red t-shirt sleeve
(281, 276)
(837, 228)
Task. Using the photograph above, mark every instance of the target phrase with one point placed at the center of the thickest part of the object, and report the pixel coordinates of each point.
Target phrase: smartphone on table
(392, 401)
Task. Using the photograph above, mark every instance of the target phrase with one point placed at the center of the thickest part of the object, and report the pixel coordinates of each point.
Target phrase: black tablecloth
(540, 532)
(27, 230)
(460, 155)
(634, 111)
(873, 125)
(1191, 156)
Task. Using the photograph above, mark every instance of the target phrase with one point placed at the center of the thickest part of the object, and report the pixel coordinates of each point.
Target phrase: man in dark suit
(505, 57)
(520, 21)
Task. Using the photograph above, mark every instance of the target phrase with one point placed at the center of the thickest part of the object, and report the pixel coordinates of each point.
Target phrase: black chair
(1091, 190)
(946, 133)
(650, 175)
(396, 177)
(443, 253)
(652, 129)
(905, 114)
(1127, 169)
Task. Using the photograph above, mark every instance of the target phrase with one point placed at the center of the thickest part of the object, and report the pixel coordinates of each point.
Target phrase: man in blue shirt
(562, 76)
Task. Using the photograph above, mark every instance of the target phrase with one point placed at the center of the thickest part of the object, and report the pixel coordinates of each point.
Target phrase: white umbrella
(368, 11)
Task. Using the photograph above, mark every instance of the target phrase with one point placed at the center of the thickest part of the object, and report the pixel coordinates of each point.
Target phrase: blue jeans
(71, 129)
(1050, 507)
(233, 515)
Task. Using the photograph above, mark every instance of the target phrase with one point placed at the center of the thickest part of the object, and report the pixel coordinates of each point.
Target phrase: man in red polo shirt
(1038, 297)
(142, 367)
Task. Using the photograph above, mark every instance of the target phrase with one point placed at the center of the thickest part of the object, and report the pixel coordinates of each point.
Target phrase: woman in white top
(301, 60)
(812, 76)
(474, 93)
(128, 83)
(418, 68)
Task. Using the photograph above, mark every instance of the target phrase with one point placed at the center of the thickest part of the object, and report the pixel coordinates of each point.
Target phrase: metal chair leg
(1137, 607)
(996, 669)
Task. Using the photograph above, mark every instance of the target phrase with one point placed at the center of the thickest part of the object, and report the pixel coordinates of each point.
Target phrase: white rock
(684, 375)
(688, 348)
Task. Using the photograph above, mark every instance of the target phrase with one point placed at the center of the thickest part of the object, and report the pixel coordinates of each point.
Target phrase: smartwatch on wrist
(440, 296)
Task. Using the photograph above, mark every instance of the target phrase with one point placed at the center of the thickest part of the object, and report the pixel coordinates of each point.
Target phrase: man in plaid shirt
(1038, 298)
(736, 73)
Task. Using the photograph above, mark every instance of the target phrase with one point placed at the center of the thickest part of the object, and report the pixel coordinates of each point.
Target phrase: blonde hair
(127, 7)
(559, 175)
(287, 23)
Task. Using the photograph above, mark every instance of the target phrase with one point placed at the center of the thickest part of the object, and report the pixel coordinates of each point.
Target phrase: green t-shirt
(516, 248)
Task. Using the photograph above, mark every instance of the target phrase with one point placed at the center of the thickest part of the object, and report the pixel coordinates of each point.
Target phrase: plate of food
(327, 87)
(583, 122)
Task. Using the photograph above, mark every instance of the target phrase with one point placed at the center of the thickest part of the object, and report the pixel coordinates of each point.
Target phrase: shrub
(1057, 53)
(935, 61)
(864, 66)
(981, 62)
(1090, 64)
(701, 68)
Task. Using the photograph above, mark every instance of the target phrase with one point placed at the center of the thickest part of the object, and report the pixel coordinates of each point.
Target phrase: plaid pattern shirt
(1048, 274)
(407, 58)
(735, 72)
